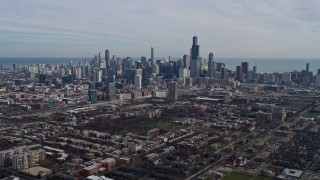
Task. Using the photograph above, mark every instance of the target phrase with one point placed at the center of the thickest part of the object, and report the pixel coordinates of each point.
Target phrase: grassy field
(311, 115)
(238, 145)
(241, 176)
(242, 134)
(261, 178)
(165, 124)
(237, 176)
(222, 145)
(272, 139)
(250, 155)
(210, 150)
(252, 114)
(211, 131)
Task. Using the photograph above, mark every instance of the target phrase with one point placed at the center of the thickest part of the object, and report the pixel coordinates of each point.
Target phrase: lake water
(263, 64)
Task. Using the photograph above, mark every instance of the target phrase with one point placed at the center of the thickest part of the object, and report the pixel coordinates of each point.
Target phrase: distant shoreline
(264, 65)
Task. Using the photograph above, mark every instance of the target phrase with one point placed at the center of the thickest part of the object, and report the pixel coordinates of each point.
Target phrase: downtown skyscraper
(195, 48)
(245, 70)
(152, 54)
(107, 58)
(211, 66)
(195, 58)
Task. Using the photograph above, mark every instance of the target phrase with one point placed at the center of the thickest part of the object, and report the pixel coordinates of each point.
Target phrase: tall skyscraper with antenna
(195, 58)
(195, 49)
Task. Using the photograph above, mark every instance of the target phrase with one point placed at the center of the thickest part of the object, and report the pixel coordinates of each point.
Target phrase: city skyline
(131, 110)
(281, 29)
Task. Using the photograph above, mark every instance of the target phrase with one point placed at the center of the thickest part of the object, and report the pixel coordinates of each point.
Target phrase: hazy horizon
(231, 29)
(159, 58)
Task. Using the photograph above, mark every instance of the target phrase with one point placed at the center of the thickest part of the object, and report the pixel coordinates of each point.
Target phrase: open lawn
(311, 115)
(261, 178)
(222, 145)
(238, 145)
(272, 139)
(207, 130)
(237, 176)
(250, 155)
(242, 134)
(165, 124)
(252, 114)
(241, 176)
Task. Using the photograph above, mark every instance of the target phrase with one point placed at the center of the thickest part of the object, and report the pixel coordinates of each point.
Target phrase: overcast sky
(229, 28)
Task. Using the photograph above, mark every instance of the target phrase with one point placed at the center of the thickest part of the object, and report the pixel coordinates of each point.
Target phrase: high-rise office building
(186, 61)
(113, 68)
(144, 62)
(211, 66)
(20, 162)
(102, 64)
(152, 53)
(130, 74)
(195, 68)
(184, 73)
(105, 80)
(307, 68)
(42, 78)
(224, 73)
(32, 72)
(86, 71)
(111, 91)
(317, 79)
(245, 69)
(36, 156)
(269, 78)
(195, 48)
(220, 65)
(172, 91)
(98, 76)
(107, 58)
(6, 156)
(286, 77)
(78, 73)
(139, 72)
(239, 75)
(92, 94)
(167, 68)
(137, 81)
(176, 66)
(126, 64)
(254, 71)
(195, 58)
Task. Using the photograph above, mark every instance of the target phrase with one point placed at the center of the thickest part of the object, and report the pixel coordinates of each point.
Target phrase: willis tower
(195, 48)
(195, 58)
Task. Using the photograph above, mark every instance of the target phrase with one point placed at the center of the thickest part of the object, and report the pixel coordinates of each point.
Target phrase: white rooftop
(93, 177)
(292, 173)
